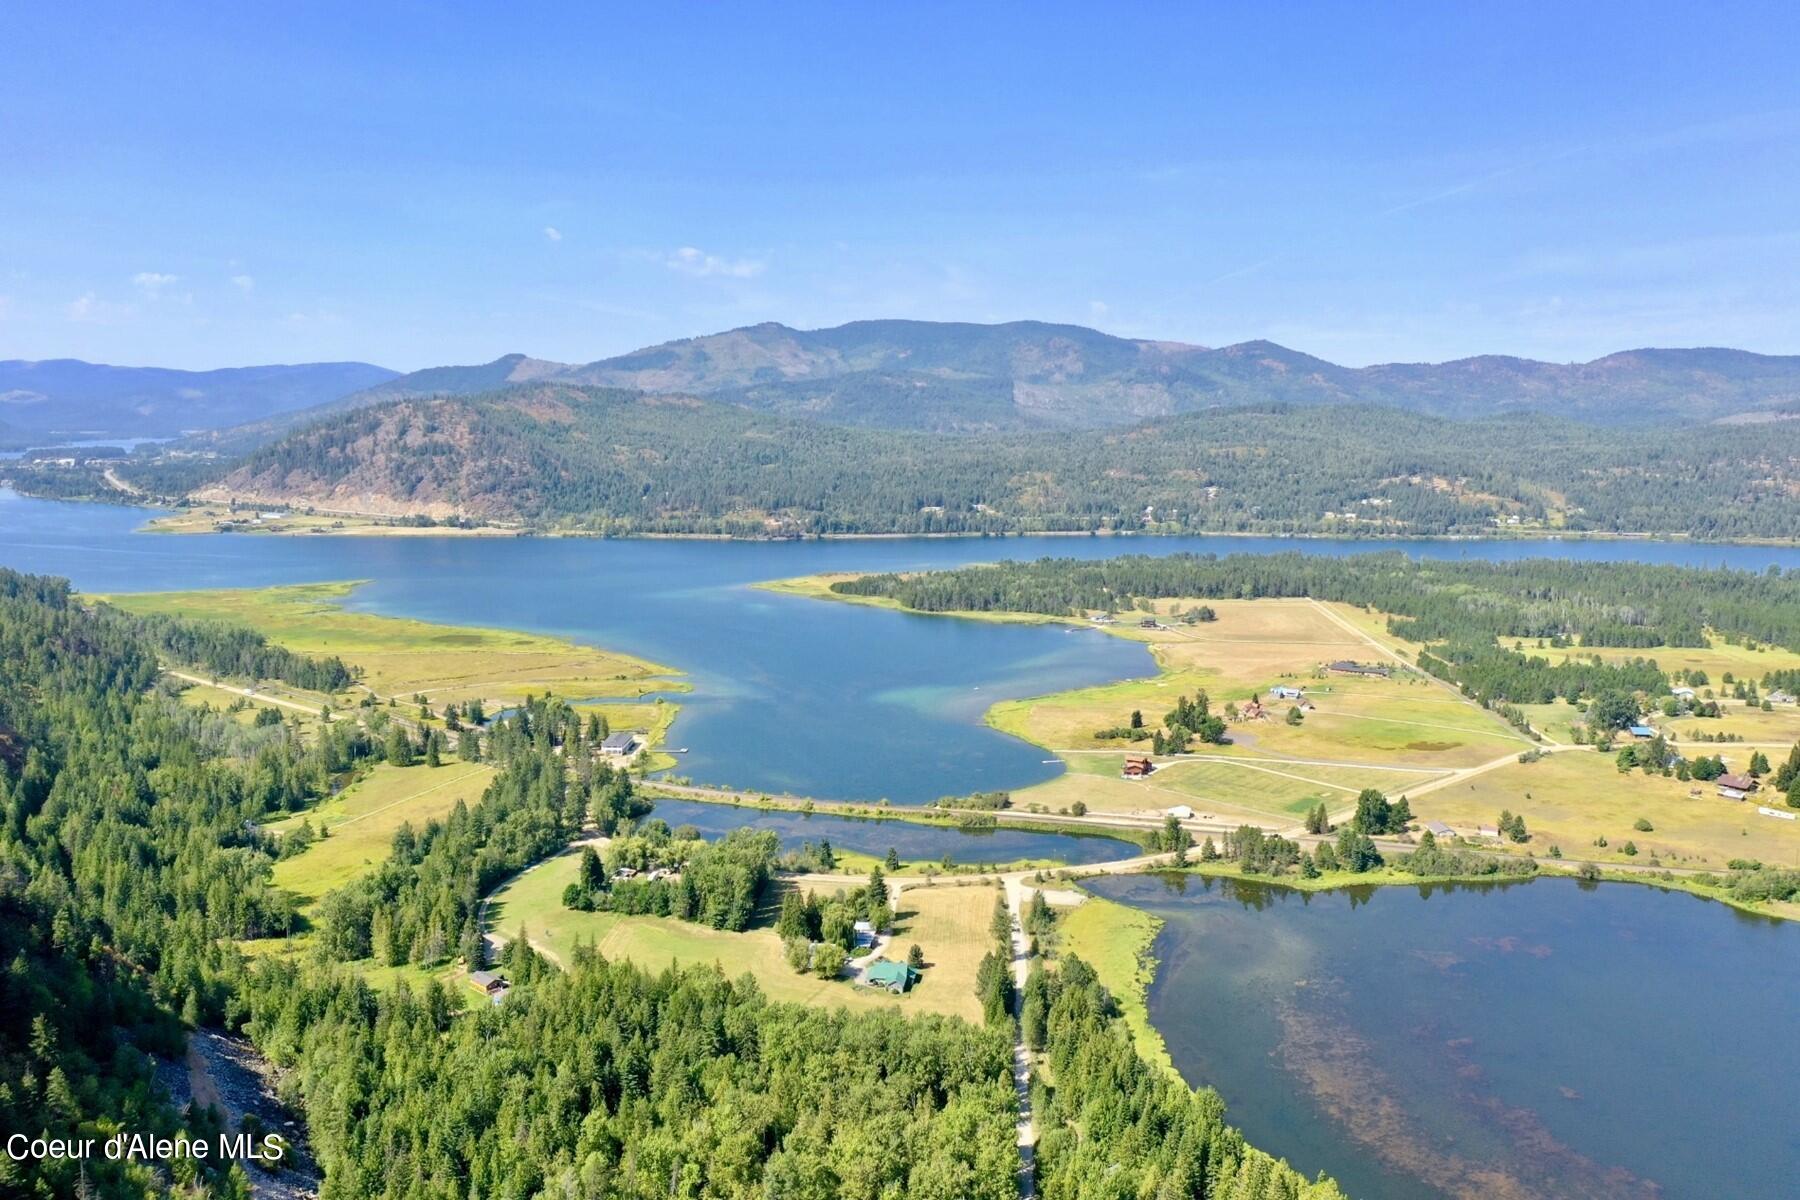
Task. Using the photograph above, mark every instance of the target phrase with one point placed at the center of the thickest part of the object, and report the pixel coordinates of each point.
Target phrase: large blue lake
(790, 694)
(1524, 1041)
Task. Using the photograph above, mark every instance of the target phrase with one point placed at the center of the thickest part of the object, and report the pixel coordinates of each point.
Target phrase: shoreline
(391, 525)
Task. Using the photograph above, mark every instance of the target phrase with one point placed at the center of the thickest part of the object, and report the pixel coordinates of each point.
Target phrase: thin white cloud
(152, 283)
(690, 260)
(1097, 309)
(553, 233)
(244, 283)
(89, 309)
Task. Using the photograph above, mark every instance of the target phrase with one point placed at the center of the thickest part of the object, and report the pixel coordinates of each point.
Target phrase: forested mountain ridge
(959, 377)
(604, 460)
(73, 398)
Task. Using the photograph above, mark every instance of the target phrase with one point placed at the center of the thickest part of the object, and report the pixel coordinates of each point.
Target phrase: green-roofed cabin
(896, 977)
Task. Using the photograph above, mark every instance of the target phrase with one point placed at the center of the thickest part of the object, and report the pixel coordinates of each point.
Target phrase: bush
(1642, 825)
(828, 960)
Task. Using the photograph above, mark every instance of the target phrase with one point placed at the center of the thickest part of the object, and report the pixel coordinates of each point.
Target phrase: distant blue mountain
(68, 398)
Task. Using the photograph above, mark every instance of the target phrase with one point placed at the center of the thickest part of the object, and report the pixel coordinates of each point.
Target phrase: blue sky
(194, 185)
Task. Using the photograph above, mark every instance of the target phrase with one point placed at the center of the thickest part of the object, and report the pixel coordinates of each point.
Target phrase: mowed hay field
(400, 656)
(949, 924)
(1572, 798)
(362, 819)
(1276, 788)
(1406, 721)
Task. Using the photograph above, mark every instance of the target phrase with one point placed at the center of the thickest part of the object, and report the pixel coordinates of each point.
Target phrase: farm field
(949, 924)
(1573, 798)
(361, 820)
(402, 657)
(208, 518)
(1354, 726)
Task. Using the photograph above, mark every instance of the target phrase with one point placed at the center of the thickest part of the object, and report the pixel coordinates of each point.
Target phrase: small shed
(1642, 733)
(1180, 812)
(1439, 829)
(865, 934)
(896, 977)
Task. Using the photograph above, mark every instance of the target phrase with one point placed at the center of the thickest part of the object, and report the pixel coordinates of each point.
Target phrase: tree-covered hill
(620, 462)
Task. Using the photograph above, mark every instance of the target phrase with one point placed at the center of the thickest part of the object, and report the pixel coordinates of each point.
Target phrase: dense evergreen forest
(132, 861)
(604, 461)
(1609, 604)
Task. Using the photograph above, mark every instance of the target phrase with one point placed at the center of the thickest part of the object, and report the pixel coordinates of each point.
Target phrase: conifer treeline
(1601, 604)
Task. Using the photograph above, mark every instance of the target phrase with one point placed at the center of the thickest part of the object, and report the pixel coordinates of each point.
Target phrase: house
(1439, 829)
(663, 873)
(1344, 666)
(625, 873)
(1102, 619)
(896, 977)
(1780, 697)
(1180, 812)
(1253, 711)
(1642, 733)
(1682, 693)
(621, 745)
(1738, 783)
(1149, 623)
(1282, 691)
(1138, 767)
(491, 983)
(865, 935)
(1487, 831)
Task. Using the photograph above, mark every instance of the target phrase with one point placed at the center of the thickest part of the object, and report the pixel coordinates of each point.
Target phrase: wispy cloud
(1449, 193)
(1250, 269)
(689, 260)
(152, 283)
(552, 233)
(89, 309)
(244, 283)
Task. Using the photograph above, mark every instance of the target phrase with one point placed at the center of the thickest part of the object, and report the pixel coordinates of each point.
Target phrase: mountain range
(933, 376)
(70, 399)
(951, 377)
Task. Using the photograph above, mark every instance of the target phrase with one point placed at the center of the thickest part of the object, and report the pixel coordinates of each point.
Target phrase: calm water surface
(1537, 1039)
(790, 694)
(912, 842)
